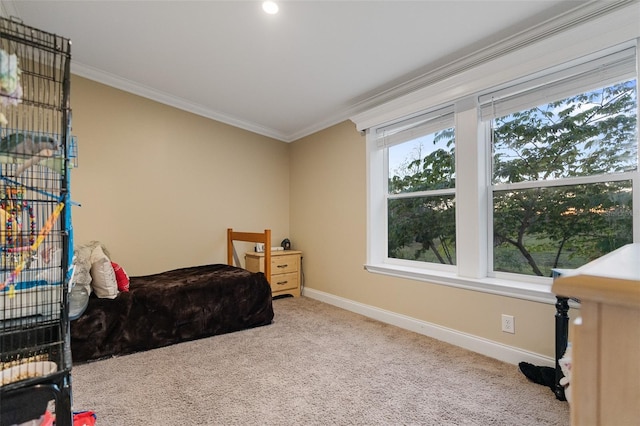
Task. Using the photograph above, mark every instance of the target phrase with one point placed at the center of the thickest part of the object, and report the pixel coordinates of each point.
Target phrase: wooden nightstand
(285, 270)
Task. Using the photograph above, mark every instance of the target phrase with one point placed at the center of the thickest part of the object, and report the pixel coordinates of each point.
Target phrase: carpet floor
(316, 364)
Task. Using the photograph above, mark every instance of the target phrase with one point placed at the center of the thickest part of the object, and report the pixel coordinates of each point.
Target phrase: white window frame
(607, 32)
(428, 123)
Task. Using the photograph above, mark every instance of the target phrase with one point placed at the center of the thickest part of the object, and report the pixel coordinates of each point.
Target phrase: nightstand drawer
(284, 264)
(286, 270)
(284, 281)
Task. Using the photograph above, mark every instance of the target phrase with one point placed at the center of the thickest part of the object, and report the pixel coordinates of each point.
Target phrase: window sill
(536, 292)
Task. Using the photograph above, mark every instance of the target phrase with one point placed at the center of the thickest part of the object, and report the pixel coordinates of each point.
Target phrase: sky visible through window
(401, 155)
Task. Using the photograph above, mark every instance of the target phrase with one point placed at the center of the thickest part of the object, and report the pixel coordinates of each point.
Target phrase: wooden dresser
(605, 375)
(285, 270)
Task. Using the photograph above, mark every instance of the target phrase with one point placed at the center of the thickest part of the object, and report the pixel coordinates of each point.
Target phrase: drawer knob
(283, 266)
(282, 282)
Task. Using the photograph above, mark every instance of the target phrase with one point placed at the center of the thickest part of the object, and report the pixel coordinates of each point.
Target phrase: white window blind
(601, 72)
(414, 127)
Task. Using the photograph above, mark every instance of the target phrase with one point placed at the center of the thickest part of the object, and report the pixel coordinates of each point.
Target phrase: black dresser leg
(562, 337)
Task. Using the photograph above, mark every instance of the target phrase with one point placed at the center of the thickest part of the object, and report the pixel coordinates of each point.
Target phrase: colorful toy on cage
(32, 250)
(13, 207)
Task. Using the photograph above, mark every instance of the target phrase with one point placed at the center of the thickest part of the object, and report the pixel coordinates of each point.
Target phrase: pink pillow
(121, 277)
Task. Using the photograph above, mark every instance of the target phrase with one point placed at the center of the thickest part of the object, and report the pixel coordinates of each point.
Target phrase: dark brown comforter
(171, 307)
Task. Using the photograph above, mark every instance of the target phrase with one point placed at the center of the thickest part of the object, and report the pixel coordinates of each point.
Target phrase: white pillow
(103, 278)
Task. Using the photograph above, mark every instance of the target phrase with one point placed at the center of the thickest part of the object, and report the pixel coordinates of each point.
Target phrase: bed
(175, 306)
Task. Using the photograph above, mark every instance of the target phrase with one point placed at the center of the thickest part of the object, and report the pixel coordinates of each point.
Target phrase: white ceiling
(314, 64)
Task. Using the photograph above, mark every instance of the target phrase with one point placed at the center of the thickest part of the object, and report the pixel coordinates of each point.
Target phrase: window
(420, 198)
(511, 181)
(565, 154)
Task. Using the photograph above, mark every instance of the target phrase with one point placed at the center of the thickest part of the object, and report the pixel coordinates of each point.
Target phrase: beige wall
(328, 214)
(160, 186)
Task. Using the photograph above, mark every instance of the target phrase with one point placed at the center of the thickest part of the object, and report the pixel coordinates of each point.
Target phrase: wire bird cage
(36, 155)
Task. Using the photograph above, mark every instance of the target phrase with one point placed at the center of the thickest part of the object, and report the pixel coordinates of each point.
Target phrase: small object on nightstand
(286, 244)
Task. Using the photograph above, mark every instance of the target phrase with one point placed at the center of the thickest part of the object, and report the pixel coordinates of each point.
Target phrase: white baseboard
(502, 352)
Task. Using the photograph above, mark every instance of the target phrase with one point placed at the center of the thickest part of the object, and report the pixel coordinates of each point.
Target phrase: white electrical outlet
(508, 324)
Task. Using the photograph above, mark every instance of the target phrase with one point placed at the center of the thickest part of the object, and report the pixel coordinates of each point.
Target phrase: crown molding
(376, 109)
(135, 88)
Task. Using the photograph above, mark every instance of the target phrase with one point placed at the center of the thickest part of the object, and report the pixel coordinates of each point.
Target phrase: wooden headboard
(251, 237)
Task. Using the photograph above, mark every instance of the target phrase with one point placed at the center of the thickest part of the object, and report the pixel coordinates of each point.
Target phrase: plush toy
(10, 88)
(546, 376)
(541, 375)
(565, 366)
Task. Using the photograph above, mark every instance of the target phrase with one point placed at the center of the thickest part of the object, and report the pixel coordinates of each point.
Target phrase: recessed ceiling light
(270, 7)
